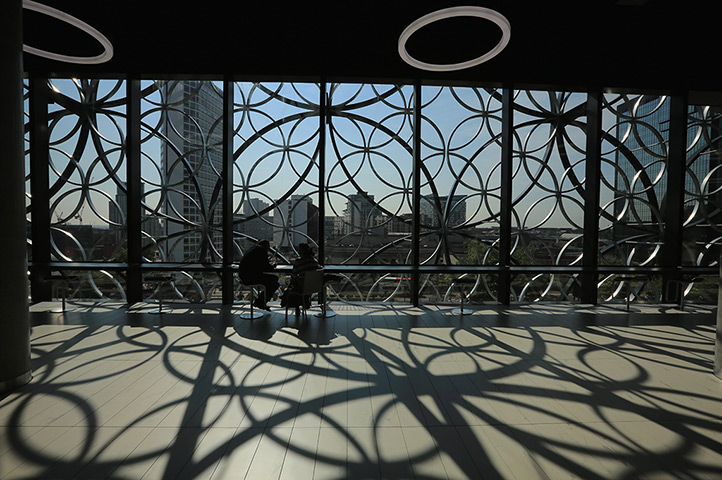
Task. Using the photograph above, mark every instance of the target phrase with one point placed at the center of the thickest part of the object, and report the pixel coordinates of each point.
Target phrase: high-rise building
(151, 225)
(191, 160)
(299, 217)
(435, 210)
(360, 214)
(255, 222)
(642, 159)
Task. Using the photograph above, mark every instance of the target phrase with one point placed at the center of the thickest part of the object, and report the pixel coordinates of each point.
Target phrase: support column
(40, 289)
(227, 290)
(416, 198)
(673, 207)
(134, 287)
(718, 338)
(14, 322)
(506, 211)
(590, 277)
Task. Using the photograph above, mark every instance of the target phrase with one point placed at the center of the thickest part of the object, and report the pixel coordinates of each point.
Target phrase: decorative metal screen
(633, 187)
(335, 166)
(181, 171)
(275, 169)
(703, 187)
(368, 177)
(460, 175)
(460, 197)
(181, 182)
(548, 191)
(87, 168)
(368, 174)
(702, 228)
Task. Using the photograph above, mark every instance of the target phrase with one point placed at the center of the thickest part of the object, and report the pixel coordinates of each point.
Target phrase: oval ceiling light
(452, 12)
(69, 19)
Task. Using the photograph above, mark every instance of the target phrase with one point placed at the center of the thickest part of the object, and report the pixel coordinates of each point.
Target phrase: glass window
(181, 166)
(87, 170)
(702, 231)
(460, 176)
(368, 174)
(633, 178)
(275, 170)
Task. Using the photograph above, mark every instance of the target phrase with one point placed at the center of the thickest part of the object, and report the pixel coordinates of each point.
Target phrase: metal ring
(64, 17)
(452, 12)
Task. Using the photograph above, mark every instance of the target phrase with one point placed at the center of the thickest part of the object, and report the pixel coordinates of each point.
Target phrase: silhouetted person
(306, 261)
(254, 267)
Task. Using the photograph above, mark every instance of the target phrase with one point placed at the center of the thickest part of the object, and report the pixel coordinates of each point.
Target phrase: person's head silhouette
(305, 250)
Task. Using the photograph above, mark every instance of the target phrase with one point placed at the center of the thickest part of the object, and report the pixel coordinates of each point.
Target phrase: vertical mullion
(322, 112)
(227, 201)
(507, 156)
(133, 193)
(39, 187)
(674, 206)
(591, 197)
(416, 196)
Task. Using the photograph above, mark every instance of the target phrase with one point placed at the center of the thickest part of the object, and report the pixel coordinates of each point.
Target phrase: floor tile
(374, 392)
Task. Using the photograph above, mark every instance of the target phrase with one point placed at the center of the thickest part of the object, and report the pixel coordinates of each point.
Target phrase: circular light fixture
(452, 12)
(64, 17)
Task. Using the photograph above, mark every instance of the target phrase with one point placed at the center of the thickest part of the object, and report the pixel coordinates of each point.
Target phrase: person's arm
(267, 265)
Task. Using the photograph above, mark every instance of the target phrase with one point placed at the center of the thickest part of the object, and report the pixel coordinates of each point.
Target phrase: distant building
(362, 216)
(299, 217)
(151, 225)
(255, 223)
(435, 211)
(401, 223)
(359, 212)
(334, 225)
(118, 213)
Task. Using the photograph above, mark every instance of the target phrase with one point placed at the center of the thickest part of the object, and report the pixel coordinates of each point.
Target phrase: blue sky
(453, 131)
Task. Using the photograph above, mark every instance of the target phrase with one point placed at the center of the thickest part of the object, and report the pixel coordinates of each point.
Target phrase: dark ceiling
(571, 44)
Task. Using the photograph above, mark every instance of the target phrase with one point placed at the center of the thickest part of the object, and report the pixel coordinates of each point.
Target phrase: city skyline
(367, 176)
(152, 148)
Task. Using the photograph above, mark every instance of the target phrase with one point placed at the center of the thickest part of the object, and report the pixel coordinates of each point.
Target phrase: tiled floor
(374, 392)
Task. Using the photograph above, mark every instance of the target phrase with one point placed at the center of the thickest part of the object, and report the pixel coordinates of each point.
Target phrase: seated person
(254, 267)
(306, 261)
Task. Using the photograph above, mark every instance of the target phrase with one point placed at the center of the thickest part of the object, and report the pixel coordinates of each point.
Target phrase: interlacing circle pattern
(181, 174)
(368, 176)
(363, 186)
(460, 187)
(548, 191)
(703, 194)
(633, 194)
(275, 166)
(87, 164)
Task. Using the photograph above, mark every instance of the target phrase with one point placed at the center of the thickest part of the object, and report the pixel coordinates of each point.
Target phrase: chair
(463, 280)
(159, 280)
(253, 287)
(629, 279)
(323, 299)
(63, 280)
(311, 282)
(681, 285)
